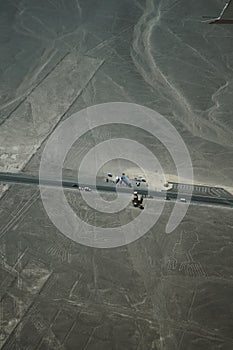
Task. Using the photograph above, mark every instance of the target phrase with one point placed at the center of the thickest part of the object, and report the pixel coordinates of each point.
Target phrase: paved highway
(20, 178)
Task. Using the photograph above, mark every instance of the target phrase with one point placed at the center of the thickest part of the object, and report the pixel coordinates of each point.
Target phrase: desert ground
(162, 291)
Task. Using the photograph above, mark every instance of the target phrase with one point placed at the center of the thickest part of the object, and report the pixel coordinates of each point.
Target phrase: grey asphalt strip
(20, 178)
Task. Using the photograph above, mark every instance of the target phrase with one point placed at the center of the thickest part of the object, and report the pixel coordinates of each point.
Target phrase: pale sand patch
(155, 180)
(3, 189)
(117, 167)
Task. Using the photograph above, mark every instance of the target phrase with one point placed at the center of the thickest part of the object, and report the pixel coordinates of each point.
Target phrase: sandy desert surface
(163, 291)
